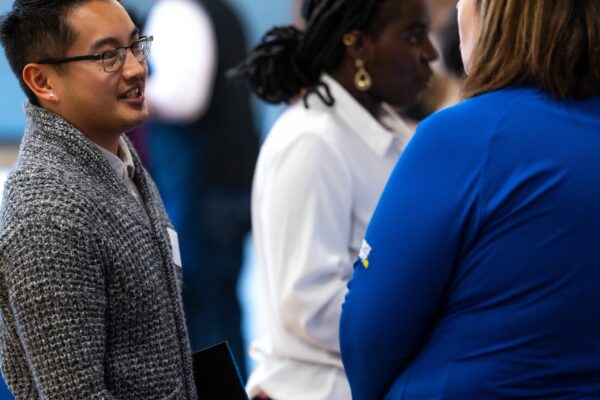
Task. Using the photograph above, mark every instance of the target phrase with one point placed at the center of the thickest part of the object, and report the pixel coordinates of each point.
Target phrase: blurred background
(256, 17)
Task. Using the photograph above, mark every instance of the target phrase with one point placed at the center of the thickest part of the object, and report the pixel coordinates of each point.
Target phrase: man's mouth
(134, 93)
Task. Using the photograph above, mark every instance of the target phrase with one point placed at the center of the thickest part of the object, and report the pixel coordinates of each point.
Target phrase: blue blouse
(479, 277)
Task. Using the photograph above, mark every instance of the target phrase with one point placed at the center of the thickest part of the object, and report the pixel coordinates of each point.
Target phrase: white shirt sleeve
(183, 60)
(305, 212)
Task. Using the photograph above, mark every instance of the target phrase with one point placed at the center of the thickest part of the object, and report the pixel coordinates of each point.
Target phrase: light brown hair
(552, 44)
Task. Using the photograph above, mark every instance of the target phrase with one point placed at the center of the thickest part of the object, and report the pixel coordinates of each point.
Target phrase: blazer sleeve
(412, 244)
(305, 216)
(54, 279)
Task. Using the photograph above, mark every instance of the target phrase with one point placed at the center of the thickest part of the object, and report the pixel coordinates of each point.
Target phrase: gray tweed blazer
(90, 299)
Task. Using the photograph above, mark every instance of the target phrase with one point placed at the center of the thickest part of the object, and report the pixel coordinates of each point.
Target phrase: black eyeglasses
(113, 59)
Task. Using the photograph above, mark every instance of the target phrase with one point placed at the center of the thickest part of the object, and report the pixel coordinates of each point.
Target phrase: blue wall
(11, 97)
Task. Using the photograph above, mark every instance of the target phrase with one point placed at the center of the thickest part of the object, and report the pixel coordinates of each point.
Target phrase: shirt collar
(387, 132)
(122, 162)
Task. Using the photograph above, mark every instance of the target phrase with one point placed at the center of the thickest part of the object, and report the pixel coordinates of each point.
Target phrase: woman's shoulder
(481, 114)
(299, 124)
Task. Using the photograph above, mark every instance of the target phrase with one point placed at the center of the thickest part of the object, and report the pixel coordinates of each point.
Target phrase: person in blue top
(480, 272)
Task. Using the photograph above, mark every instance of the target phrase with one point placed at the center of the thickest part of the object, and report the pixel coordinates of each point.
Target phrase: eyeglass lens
(114, 59)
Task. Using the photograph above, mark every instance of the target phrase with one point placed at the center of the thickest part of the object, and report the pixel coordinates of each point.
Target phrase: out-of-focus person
(321, 171)
(202, 149)
(479, 277)
(448, 38)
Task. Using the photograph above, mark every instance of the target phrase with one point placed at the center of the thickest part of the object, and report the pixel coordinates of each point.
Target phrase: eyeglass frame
(100, 57)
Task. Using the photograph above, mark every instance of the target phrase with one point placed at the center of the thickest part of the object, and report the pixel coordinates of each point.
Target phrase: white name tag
(175, 247)
(364, 252)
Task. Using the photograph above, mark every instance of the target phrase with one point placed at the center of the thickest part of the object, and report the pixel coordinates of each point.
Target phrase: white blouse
(319, 176)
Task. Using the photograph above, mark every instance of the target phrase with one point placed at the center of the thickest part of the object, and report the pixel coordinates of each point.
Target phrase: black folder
(216, 374)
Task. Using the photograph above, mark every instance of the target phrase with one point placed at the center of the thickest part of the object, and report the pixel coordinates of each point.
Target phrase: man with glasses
(90, 297)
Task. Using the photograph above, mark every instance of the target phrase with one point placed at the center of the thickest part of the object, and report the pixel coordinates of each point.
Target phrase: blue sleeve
(421, 223)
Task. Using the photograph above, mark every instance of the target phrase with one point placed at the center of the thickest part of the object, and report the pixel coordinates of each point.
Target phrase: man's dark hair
(289, 60)
(35, 30)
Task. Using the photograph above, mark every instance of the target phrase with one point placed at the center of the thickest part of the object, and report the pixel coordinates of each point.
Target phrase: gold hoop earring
(348, 39)
(362, 79)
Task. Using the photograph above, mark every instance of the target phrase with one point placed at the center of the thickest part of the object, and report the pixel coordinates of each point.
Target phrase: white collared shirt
(122, 164)
(319, 176)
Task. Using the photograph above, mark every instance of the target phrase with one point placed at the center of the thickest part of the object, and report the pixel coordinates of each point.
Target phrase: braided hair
(288, 61)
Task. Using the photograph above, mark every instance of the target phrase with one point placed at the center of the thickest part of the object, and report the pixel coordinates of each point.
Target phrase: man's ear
(40, 80)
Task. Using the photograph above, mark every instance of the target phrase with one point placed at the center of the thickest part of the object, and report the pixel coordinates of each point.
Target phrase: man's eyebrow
(112, 41)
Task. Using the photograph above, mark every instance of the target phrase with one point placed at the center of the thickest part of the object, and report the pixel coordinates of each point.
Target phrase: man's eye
(111, 55)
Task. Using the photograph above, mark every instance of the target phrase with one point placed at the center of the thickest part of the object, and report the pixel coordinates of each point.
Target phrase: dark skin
(397, 57)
